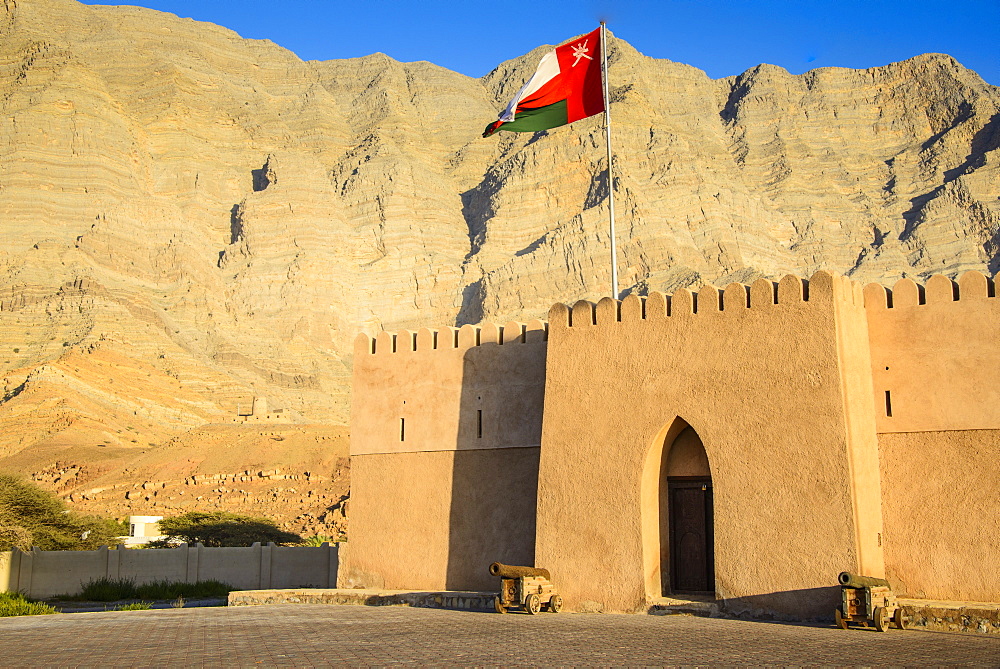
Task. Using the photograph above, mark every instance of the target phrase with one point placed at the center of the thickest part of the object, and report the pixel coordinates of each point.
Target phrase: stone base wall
(469, 601)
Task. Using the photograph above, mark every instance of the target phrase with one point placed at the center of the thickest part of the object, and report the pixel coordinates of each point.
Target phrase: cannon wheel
(838, 618)
(555, 604)
(498, 605)
(532, 604)
(899, 617)
(881, 616)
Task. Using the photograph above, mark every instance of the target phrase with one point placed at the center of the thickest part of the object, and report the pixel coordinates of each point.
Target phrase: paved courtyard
(301, 635)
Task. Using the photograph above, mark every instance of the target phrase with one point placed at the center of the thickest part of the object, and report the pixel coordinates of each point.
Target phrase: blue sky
(721, 37)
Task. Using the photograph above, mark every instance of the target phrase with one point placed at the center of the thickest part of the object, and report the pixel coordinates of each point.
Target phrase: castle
(749, 443)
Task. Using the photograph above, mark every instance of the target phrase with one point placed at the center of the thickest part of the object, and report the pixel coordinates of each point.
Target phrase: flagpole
(611, 179)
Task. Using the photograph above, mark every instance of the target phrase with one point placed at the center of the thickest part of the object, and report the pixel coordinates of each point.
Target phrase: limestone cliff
(191, 219)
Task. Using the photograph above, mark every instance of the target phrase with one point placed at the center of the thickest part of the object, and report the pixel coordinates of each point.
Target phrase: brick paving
(316, 635)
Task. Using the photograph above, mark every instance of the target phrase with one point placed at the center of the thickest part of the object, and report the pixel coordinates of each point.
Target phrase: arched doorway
(688, 545)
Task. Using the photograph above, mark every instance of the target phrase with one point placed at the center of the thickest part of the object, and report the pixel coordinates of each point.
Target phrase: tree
(30, 516)
(14, 536)
(220, 528)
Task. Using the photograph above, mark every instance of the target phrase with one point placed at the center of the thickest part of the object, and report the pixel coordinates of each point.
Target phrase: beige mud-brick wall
(436, 520)
(942, 528)
(765, 377)
(935, 351)
(445, 434)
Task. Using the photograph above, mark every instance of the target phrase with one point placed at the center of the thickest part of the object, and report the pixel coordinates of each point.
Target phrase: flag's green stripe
(543, 118)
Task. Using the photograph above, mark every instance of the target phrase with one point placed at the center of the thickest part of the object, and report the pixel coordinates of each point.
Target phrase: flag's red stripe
(553, 91)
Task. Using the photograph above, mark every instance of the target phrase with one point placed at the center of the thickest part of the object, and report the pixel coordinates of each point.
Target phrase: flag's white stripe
(547, 70)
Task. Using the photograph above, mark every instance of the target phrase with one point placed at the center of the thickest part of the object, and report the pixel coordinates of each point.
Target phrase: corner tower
(445, 433)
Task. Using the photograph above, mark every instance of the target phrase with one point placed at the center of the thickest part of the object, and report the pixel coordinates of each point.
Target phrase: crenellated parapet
(450, 338)
(934, 353)
(736, 298)
(446, 389)
(970, 288)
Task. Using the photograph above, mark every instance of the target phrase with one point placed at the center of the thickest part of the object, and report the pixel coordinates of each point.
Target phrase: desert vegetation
(114, 590)
(30, 516)
(132, 596)
(220, 528)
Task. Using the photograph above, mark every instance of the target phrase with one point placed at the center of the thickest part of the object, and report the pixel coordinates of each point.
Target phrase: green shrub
(113, 590)
(109, 590)
(134, 606)
(15, 604)
(173, 590)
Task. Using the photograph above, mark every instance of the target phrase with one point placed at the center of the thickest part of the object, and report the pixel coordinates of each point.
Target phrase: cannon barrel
(849, 580)
(511, 571)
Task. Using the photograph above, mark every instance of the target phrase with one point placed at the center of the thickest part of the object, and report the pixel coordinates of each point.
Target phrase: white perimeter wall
(41, 574)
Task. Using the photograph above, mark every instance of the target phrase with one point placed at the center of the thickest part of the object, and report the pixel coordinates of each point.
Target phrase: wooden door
(692, 563)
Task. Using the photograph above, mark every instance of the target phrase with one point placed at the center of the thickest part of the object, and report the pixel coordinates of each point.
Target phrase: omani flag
(566, 87)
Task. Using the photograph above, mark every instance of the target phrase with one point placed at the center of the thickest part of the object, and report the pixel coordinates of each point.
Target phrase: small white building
(143, 529)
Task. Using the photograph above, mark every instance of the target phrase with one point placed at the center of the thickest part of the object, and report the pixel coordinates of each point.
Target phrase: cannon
(528, 588)
(866, 599)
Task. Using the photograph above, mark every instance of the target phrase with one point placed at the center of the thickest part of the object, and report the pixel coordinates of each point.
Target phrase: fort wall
(934, 363)
(940, 496)
(436, 520)
(759, 373)
(449, 389)
(941, 491)
(445, 435)
(935, 355)
(843, 429)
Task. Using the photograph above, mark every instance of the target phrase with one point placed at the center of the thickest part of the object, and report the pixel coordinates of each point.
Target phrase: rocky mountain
(191, 219)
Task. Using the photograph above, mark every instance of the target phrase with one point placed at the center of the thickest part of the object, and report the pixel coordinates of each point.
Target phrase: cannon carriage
(527, 588)
(864, 600)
